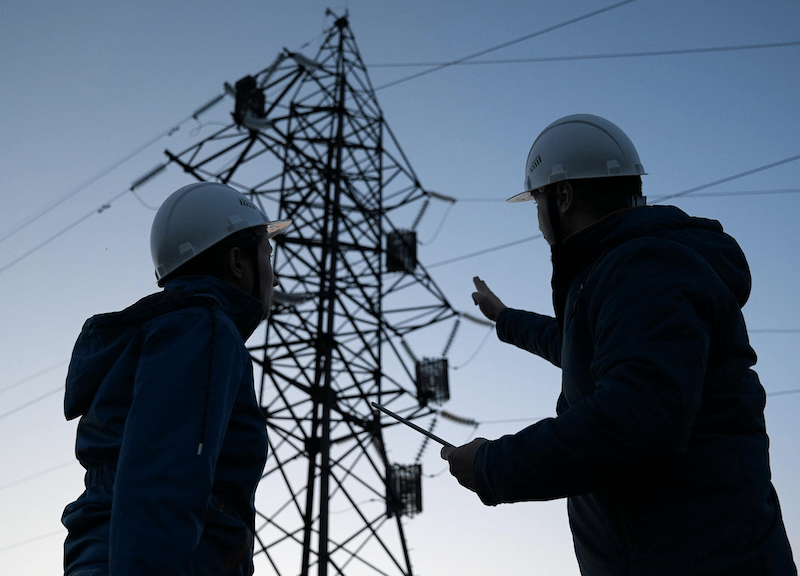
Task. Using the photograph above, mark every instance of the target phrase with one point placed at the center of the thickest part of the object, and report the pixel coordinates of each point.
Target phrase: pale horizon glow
(94, 92)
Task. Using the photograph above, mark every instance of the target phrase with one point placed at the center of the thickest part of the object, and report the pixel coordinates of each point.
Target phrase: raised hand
(490, 305)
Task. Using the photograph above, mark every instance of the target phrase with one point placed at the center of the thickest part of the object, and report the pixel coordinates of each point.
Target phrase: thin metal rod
(412, 425)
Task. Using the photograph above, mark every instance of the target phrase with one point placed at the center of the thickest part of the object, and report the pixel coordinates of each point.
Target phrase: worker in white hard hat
(171, 435)
(659, 443)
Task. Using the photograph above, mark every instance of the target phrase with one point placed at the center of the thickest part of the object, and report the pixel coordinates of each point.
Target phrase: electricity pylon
(308, 142)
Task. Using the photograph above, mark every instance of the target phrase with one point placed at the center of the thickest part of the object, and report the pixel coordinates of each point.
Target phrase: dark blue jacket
(659, 443)
(171, 435)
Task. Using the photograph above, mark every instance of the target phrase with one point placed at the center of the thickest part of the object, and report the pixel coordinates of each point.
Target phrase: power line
(747, 193)
(106, 205)
(32, 376)
(657, 200)
(480, 347)
(32, 540)
(504, 45)
(31, 402)
(485, 251)
(729, 178)
(513, 420)
(593, 56)
(39, 474)
(214, 101)
(218, 98)
(441, 224)
(701, 195)
(491, 329)
(784, 392)
(437, 67)
(113, 166)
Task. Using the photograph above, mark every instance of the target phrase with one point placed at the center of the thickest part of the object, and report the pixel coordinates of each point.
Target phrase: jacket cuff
(480, 475)
(501, 324)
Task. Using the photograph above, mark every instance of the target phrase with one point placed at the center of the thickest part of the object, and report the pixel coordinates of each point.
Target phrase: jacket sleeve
(181, 394)
(650, 308)
(533, 332)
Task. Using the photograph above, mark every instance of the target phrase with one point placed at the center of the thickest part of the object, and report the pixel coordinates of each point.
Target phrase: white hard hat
(578, 146)
(195, 217)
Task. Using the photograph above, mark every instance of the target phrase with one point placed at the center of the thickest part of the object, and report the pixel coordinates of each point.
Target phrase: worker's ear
(234, 263)
(565, 197)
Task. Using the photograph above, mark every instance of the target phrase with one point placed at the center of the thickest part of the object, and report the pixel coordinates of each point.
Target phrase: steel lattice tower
(351, 297)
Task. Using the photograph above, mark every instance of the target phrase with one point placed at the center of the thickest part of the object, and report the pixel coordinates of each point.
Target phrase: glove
(462, 460)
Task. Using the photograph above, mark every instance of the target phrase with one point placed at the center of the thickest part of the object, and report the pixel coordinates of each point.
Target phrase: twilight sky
(92, 93)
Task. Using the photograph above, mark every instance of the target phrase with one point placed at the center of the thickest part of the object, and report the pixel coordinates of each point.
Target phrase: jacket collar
(579, 254)
(245, 311)
(580, 250)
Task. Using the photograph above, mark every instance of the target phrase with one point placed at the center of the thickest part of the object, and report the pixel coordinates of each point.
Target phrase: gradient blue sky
(85, 83)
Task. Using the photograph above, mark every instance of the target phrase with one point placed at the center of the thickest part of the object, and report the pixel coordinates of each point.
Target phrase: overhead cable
(505, 44)
(476, 423)
(592, 56)
(465, 315)
(102, 208)
(701, 195)
(70, 462)
(31, 402)
(477, 319)
(32, 540)
(105, 206)
(480, 252)
(35, 216)
(728, 179)
(489, 332)
(747, 193)
(784, 392)
(441, 224)
(655, 201)
(32, 376)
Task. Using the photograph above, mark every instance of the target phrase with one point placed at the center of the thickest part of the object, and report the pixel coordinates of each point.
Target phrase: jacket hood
(105, 337)
(704, 236)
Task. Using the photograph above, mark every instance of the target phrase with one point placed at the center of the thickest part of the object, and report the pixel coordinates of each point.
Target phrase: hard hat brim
(521, 197)
(273, 228)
